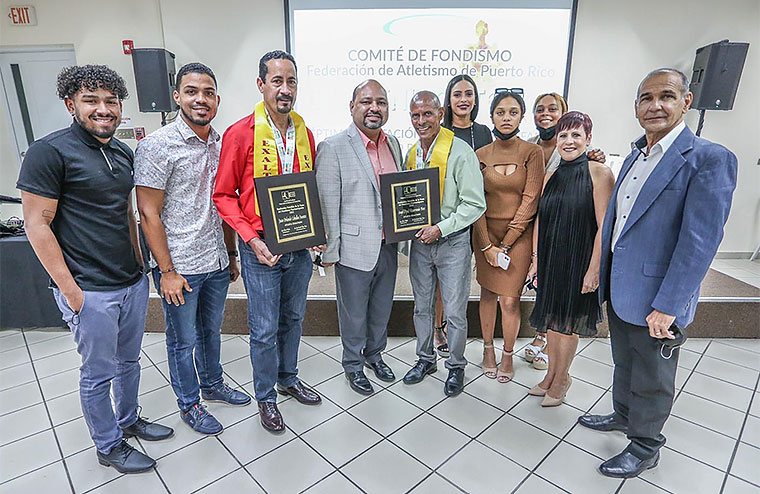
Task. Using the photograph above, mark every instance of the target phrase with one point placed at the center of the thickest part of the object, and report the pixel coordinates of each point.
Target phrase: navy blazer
(672, 234)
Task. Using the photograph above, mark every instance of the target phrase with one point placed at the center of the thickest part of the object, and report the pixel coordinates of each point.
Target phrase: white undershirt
(287, 148)
(634, 181)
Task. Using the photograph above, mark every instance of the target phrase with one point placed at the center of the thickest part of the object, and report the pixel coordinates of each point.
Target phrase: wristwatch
(232, 253)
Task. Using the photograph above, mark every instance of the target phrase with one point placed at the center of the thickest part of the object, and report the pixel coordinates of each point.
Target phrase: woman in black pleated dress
(566, 271)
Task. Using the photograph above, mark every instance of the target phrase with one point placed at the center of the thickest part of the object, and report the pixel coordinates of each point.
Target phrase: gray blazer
(350, 198)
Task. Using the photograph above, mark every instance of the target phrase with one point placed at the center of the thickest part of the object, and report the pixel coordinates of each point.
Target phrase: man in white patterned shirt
(194, 256)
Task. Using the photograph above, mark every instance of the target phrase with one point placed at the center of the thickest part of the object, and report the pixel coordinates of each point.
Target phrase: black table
(25, 299)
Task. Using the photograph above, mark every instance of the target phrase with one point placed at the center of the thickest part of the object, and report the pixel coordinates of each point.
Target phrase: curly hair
(92, 77)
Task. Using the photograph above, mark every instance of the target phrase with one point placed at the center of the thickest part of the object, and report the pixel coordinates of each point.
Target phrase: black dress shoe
(301, 393)
(604, 423)
(626, 465)
(382, 371)
(419, 371)
(359, 383)
(271, 418)
(454, 383)
(126, 459)
(147, 431)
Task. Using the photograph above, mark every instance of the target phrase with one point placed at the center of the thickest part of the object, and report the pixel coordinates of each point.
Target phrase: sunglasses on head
(513, 90)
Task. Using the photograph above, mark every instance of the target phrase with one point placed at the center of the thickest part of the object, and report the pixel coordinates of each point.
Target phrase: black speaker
(715, 77)
(154, 78)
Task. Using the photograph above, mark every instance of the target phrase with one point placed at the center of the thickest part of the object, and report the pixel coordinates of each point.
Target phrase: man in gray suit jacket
(348, 166)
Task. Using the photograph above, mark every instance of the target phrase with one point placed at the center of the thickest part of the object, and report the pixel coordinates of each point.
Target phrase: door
(28, 76)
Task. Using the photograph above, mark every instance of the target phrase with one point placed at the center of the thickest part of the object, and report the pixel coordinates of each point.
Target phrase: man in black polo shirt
(76, 187)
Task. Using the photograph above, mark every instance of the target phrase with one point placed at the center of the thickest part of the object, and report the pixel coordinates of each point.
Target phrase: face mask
(503, 136)
(546, 134)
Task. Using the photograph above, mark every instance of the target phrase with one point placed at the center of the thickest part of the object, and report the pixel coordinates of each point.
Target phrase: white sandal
(532, 351)
(541, 361)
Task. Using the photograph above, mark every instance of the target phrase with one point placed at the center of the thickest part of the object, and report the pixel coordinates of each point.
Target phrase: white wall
(616, 43)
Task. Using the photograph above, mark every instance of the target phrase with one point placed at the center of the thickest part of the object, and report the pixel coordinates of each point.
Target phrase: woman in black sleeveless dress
(568, 247)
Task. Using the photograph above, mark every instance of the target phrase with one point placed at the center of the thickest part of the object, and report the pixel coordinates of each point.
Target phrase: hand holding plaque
(290, 212)
(411, 200)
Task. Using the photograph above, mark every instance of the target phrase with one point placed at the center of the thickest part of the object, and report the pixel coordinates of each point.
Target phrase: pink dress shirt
(379, 155)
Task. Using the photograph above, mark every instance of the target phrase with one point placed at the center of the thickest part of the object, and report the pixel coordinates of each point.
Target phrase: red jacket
(234, 193)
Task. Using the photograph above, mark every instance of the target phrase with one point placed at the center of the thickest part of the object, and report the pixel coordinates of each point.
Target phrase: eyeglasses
(513, 90)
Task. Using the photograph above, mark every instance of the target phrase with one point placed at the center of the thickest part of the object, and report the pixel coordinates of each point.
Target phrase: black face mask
(547, 134)
(503, 136)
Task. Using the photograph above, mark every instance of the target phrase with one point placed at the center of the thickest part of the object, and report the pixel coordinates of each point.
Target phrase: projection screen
(410, 46)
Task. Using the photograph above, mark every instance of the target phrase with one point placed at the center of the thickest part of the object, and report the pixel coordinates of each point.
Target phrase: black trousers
(644, 384)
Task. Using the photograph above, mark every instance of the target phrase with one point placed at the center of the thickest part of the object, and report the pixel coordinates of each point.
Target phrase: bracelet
(505, 247)
(534, 254)
(232, 253)
(166, 271)
(486, 247)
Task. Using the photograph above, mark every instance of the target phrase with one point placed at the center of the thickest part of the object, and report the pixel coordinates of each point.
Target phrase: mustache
(284, 98)
(376, 113)
(198, 107)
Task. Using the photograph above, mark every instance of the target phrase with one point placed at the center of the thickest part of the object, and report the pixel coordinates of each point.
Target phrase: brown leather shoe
(301, 393)
(271, 418)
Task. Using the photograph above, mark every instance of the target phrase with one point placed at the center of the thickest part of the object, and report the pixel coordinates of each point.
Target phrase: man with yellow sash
(443, 250)
(273, 140)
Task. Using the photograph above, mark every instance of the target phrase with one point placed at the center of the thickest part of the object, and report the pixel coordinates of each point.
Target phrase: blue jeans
(108, 331)
(276, 306)
(194, 329)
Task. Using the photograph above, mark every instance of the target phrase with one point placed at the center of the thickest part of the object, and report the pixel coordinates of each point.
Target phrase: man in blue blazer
(662, 228)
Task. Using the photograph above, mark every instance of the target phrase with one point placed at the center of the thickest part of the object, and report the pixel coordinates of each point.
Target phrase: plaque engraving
(290, 212)
(411, 201)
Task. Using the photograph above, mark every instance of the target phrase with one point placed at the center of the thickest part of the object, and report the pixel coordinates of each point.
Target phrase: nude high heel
(548, 401)
(537, 391)
(489, 372)
(502, 376)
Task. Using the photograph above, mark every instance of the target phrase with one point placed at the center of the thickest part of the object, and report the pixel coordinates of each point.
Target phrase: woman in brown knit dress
(513, 172)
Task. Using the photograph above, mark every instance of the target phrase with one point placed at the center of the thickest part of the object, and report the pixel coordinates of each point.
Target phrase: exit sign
(22, 15)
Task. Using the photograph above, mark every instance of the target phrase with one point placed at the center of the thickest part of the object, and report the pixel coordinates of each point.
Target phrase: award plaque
(290, 212)
(411, 200)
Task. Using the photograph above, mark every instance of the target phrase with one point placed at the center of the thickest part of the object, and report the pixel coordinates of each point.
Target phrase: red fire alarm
(128, 45)
(139, 133)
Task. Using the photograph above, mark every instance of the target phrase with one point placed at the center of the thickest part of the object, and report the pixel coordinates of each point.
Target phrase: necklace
(472, 135)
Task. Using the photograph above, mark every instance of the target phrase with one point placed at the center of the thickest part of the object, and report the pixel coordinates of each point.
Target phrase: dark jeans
(276, 306)
(194, 330)
(108, 331)
(644, 384)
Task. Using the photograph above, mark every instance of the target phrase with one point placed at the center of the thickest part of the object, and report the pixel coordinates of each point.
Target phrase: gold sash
(265, 160)
(439, 157)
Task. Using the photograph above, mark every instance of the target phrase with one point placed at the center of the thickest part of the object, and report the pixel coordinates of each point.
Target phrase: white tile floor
(493, 438)
(741, 269)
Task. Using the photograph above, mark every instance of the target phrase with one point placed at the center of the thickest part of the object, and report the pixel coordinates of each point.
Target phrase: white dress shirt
(634, 181)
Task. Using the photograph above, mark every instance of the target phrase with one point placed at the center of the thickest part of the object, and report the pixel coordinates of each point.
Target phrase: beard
(91, 128)
(284, 109)
(373, 125)
(197, 121)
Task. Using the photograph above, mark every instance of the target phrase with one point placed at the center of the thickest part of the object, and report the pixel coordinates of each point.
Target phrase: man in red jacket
(276, 285)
